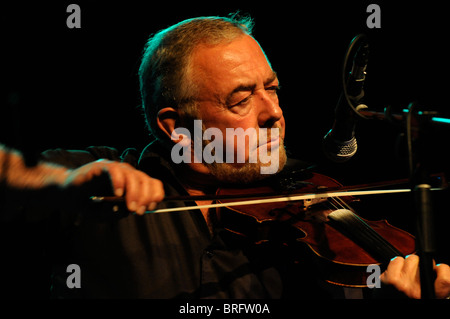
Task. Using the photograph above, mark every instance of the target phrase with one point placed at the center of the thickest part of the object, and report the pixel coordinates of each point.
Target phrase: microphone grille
(348, 148)
(339, 151)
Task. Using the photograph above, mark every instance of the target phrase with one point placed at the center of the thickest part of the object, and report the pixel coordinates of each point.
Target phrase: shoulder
(77, 158)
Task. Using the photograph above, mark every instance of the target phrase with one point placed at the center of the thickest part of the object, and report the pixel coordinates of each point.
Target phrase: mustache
(271, 135)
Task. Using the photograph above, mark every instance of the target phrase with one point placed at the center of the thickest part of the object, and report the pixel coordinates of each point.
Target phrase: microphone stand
(418, 131)
(418, 126)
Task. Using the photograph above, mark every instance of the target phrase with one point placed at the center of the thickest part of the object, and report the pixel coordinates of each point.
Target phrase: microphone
(339, 144)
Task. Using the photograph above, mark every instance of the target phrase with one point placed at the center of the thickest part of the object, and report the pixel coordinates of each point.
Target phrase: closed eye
(243, 101)
(274, 88)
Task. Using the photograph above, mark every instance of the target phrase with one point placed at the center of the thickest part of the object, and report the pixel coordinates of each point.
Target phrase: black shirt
(167, 255)
(170, 255)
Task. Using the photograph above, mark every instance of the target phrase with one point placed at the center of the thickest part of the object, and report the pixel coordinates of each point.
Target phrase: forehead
(220, 68)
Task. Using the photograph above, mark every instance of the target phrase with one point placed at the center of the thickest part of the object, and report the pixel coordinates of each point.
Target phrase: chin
(246, 173)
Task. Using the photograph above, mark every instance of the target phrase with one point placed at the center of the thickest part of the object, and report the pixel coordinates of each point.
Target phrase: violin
(316, 213)
(344, 243)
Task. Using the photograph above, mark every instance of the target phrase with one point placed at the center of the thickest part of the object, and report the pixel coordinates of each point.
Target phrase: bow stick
(289, 198)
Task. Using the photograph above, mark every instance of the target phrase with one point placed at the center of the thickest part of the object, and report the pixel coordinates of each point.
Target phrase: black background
(76, 87)
(72, 88)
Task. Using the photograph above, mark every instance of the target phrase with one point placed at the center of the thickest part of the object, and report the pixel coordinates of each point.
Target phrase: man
(210, 70)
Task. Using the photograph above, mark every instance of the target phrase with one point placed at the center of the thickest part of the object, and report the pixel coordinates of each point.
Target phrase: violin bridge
(308, 203)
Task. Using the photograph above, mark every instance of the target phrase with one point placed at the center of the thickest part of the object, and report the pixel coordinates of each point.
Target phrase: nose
(269, 110)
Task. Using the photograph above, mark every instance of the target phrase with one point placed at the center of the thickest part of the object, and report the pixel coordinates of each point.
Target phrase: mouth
(274, 142)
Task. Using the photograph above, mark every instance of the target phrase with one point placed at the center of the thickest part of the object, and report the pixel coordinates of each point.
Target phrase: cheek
(230, 122)
(226, 119)
(236, 139)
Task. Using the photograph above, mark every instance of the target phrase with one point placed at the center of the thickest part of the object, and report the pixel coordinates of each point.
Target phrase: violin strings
(338, 203)
(361, 229)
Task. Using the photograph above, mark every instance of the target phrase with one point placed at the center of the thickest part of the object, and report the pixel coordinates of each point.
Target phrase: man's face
(238, 89)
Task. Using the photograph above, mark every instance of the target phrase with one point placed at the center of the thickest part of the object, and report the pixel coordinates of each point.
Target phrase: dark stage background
(72, 88)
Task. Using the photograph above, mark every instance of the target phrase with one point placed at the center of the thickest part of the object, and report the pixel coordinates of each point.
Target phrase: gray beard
(245, 173)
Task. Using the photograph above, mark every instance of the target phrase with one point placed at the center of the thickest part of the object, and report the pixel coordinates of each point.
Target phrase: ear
(167, 120)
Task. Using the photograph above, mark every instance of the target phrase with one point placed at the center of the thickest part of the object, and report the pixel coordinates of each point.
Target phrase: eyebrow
(250, 87)
(272, 78)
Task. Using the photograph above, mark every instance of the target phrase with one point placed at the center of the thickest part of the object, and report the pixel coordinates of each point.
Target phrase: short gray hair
(165, 67)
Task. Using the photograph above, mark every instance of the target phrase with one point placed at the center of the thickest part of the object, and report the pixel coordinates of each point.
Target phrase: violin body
(344, 243)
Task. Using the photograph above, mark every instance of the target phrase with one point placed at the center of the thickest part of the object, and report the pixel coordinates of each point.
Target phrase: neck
(197, 181)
